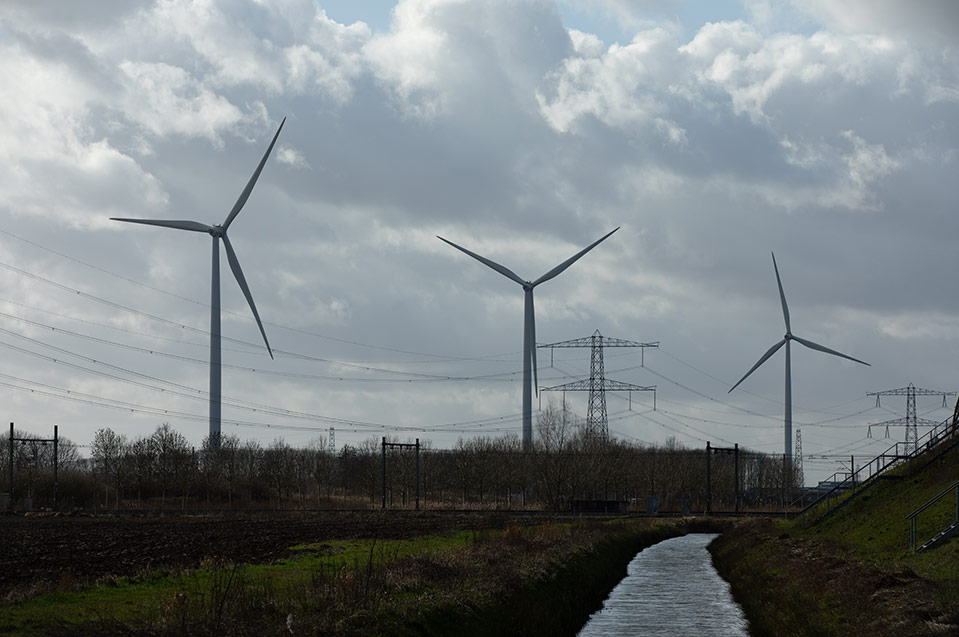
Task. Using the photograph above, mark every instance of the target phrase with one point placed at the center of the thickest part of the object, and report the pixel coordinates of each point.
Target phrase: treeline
(568, 467)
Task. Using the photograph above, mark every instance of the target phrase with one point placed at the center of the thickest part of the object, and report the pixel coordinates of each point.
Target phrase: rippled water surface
(671, 589)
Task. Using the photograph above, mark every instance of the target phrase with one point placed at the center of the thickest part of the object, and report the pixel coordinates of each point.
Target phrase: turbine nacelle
(529, 321)
(786, 340)
(218, 232)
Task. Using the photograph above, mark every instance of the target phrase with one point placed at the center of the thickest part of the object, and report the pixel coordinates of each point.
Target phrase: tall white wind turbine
(529, 325)
(219, 232)
(787, 339)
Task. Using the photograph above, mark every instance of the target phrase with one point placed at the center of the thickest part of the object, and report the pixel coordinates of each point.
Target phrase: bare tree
(170, 453)
(251, 460)
(553, 449)
(230, 463)
(279, 468)
(111, 462)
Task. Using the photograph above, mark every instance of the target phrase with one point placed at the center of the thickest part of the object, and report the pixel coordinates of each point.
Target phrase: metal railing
(847, 485)
(913, 516)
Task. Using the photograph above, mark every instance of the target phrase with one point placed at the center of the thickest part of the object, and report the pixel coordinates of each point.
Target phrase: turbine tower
(529, 325)
(218, 232)
(787, 339)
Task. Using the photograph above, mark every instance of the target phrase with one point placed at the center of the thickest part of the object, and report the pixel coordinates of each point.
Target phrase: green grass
(550, 576)
(853, 573)
(126, 599)
(874, 527)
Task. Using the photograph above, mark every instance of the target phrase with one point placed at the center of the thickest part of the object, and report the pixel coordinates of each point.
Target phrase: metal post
(55, 461)
(736, 469)
(709, 493)
(383, 473)
(417, 474)
(10, 483)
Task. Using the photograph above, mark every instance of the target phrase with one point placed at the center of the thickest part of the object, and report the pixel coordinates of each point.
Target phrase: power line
(441, 358)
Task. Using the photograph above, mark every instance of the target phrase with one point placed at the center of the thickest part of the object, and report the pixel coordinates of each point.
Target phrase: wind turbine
(787, 339)
(219, 232)
(529, 325)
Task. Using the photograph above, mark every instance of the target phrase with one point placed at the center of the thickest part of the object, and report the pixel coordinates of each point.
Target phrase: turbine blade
(819, 347)
(570, 261)
(782, 295)
(241, 201)
(194, 226)
(238, 273)
(531, 321)
(772, 350)
(493, 264)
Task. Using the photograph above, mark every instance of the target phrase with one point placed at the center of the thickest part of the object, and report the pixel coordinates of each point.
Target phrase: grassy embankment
(543, 579)
(854, 573)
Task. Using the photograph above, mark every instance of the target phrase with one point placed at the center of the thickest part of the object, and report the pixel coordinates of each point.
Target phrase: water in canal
(671, 588)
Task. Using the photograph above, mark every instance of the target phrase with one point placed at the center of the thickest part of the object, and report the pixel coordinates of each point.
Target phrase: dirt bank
(790, 585)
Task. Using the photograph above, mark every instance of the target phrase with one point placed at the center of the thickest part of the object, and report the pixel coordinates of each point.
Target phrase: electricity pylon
(597, 385)
(911, 420)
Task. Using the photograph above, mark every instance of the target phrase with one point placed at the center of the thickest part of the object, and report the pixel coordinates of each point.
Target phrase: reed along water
(671, 588)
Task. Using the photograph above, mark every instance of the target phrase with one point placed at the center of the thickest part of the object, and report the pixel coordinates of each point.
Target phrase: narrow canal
(671, 588)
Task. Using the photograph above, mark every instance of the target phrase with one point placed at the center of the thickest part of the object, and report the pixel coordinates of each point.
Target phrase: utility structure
(710, 450)
(529, 325)
(399, 445)
(787, 340)
(597, 423)
(911, 420)
(218, 232)
(43, 441)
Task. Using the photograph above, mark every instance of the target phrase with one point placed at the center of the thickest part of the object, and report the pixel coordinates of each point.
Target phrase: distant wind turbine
(788, 419)
(529, 325)
(219, 232)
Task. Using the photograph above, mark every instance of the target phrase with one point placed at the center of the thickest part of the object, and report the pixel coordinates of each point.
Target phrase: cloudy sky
(712, 132)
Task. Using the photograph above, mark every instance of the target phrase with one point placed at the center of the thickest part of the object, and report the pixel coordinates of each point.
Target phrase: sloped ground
(854, 573)
(794, 585)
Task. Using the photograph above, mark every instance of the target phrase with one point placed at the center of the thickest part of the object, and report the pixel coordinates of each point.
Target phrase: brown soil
(45, 552)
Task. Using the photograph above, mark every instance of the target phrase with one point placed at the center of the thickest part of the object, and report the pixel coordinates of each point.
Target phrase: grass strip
(543, 579)
(124, 600)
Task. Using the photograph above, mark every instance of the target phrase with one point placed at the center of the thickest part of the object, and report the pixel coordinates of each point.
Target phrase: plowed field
(43, 552)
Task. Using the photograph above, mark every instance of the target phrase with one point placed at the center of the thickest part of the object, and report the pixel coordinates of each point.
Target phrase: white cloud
(165, 99)
(46, 136)
(286, 154)
(620, 88)
(410, 58)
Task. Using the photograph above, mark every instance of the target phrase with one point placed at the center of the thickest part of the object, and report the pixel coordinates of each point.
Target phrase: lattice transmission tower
(596, 417)
(911, 420)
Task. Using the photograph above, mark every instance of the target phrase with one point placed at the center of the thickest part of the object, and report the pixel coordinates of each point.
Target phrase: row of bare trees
(567, 465)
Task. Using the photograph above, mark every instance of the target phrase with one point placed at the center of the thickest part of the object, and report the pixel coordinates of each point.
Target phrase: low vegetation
(541, 579)
(854, 572)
